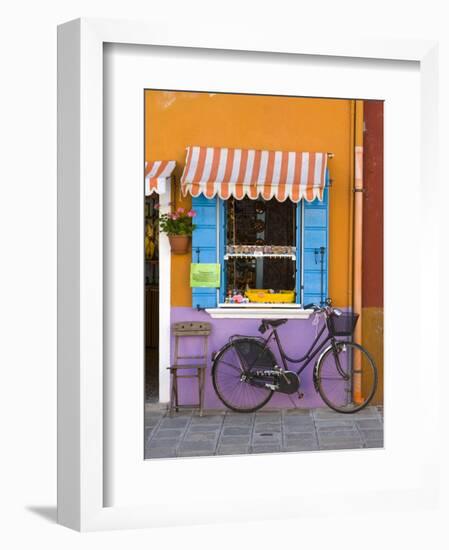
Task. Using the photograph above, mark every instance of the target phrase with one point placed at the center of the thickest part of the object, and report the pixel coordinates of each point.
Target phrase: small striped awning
(253, 173)
(156, 174)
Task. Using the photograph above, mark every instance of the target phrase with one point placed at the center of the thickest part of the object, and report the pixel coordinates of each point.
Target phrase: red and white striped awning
(156, 174)
(249, 172)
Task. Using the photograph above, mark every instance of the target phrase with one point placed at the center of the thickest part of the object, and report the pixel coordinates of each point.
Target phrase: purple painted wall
(296, 336)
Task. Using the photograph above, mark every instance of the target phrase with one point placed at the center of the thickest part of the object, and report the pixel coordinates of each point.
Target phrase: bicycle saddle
(274, 322)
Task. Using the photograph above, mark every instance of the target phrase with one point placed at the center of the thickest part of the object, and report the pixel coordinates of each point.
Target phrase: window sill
(259, 311)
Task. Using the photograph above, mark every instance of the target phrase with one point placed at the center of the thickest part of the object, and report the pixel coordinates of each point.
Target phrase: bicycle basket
(342, 325)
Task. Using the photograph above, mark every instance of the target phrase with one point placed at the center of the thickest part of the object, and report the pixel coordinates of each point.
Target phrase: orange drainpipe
(349, 293)
(358, 237)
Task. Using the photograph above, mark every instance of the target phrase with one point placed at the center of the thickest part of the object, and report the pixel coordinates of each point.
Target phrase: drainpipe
(358, 243)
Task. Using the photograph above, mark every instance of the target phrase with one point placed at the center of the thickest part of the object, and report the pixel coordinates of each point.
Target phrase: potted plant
(178, 226)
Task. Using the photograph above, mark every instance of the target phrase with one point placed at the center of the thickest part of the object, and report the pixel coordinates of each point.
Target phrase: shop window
(303, 226)
(260, 250)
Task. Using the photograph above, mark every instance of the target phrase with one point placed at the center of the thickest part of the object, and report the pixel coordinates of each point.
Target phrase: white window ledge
(259, 312)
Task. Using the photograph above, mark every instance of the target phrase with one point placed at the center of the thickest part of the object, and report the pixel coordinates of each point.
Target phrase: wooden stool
(182, 330)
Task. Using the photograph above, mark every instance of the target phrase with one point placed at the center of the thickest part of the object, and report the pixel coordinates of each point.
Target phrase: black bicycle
(245, 373)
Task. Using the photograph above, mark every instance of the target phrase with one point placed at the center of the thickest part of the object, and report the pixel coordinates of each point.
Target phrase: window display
(260, 250)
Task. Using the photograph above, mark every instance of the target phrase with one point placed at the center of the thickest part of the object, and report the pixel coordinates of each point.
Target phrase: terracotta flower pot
(180, 244)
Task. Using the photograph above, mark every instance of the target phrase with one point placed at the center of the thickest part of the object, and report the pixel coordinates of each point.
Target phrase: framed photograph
(244, 270)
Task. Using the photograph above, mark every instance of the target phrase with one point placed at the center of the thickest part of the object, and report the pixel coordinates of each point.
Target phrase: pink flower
(174, 216)
(180, 210)
(157, 206)
(191, 213)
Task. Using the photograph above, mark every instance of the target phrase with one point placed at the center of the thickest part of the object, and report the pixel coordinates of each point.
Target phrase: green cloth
(205, 275)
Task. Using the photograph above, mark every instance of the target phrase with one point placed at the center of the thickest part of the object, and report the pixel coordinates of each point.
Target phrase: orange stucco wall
(175, 120)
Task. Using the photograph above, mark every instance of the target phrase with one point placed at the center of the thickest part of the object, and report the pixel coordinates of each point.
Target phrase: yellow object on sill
(262, 296)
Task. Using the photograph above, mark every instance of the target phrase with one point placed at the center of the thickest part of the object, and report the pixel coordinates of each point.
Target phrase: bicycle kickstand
(300, 396)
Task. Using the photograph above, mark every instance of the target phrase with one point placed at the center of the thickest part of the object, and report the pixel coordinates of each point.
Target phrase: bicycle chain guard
(288, 382)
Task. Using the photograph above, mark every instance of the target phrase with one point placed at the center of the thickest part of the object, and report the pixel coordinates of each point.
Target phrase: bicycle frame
(310, 354)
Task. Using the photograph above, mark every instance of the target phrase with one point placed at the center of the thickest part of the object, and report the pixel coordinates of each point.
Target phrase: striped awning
(156, 174)
(253, 173)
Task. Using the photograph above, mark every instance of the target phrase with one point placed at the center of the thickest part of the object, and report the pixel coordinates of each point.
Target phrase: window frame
(221, 251)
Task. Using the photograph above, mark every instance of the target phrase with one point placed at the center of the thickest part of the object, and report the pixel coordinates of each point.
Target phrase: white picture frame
(82, 475)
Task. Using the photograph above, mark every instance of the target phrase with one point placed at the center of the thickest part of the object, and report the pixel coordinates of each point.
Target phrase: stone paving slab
(303, 441)
(372, 434)
(198, 428)
(267, 427)
(238, 420)
(207, 420)
(300, 428)
(161, 453)
(306, 446)
(186, 434)
(196, 436)
(268, 417)
(174, 422)
(299, 422)
(265, 449)
(341, 445)
(324, 413)
(339, 432)
(375, 445)
(197, 446)
(266, 438)
(188, 453)
(329, 426)
(165, 443)
(235, 440)
(233, 450)
(337, 442)
(148, 432)
(164, 433)
(237, 430)
(298, 412)
(368, 424)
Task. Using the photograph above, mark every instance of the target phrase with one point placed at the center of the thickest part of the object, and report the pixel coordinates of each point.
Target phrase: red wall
(373, 204)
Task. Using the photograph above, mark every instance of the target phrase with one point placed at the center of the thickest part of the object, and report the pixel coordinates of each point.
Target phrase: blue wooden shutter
(204, 246)
(316, 250)
(312, 233)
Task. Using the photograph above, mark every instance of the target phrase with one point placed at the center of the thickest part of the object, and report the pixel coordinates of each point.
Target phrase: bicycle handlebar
(316, 308)
(311, 306)
(326, 308)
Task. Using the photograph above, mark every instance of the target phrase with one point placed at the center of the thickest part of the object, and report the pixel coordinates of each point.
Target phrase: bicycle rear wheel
(235, 375)
(346, 377)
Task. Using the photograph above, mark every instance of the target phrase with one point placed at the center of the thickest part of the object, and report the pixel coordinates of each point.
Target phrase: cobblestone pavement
(271, 431)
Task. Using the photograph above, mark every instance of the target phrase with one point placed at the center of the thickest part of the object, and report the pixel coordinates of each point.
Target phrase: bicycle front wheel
(235, 375)
(346, 377)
